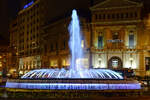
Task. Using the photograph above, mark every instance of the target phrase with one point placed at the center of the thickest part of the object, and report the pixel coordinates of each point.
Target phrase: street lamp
(131, 60)
(99, 60)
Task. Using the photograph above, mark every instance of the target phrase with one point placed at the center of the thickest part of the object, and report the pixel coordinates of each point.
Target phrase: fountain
(77, 77)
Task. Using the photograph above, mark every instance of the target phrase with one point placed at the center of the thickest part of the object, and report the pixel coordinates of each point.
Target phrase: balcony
(115, 48)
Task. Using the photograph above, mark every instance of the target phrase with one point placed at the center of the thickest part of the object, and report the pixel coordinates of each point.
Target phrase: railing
(116, 48)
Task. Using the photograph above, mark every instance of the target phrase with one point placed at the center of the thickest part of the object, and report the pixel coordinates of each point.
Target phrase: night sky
(8, 9)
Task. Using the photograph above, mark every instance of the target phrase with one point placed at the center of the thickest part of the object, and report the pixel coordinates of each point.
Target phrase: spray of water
(75, 42)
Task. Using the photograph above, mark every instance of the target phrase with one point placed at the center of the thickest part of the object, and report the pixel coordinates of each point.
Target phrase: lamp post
(131, 60)
(99, 60)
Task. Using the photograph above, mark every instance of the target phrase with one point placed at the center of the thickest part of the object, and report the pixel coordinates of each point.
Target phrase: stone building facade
(116, 28)
(117, 37)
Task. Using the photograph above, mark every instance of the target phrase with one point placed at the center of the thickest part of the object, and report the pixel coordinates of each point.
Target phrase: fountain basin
(61, 79)
(74, 84)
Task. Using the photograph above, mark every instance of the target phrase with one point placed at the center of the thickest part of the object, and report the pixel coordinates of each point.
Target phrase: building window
(108, 16)
(115, 36)
(0, 64)
(56, 46)
(122, 15)
(131, 15)
(95, 16)
(51, 47)
(100, 17)
(147, 63)
(117, 15)
(135, 14)
(82, 43)
(131, 40)
(64, 44)
(100, 41)
(104, 16)
(127, 15)
(115, 63)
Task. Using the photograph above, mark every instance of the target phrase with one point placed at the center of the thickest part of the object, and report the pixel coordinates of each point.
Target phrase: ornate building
(117, 37)
(120, 37)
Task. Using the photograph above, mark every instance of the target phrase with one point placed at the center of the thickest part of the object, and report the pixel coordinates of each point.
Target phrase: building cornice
(112, 8)
(117, 22)
(98, 6)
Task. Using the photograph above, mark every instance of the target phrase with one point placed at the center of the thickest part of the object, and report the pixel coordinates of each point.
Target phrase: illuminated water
(62, 73)
(75, 43)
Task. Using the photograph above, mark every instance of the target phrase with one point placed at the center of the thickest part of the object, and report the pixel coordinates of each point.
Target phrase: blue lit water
(75, 42)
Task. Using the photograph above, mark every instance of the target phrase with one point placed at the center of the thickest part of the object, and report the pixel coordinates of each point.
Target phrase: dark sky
(8, 9)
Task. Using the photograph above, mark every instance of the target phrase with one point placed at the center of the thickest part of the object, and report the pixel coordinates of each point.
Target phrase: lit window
(82, 43)
(100, 41)
(115, 36)
(53, 63)
(115, 63)
(131, 40)
(0, 64)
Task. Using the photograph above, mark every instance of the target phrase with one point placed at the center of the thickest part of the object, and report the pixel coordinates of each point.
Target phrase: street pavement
(99, 98)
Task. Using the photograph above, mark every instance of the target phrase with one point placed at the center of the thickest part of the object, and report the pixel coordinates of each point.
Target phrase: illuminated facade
(29, 21)
(117, 37)
(13, 54)
(55, 45)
